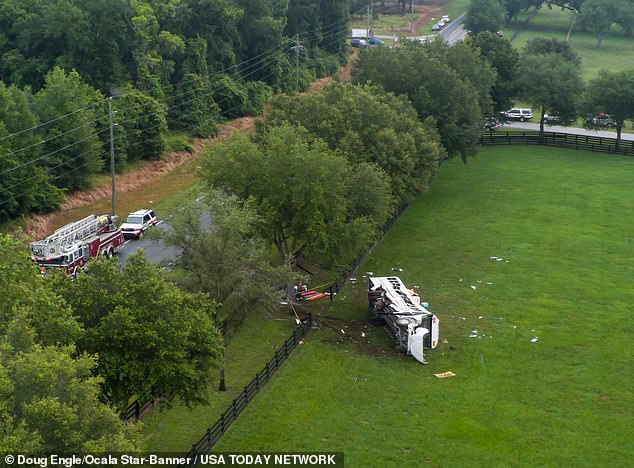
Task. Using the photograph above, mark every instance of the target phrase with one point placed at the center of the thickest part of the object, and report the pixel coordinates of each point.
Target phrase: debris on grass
(360, 379)
(362, 335)
(445, 375)
(533, 340)
(343, 331)
(480, 317)
(444, 340)
(473, 287)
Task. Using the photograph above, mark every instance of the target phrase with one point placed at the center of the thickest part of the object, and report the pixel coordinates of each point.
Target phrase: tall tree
(303, 191)
(504, 59)
(612, 93)
(484, 15)
(50, 404)
(150, 336)
(550, 84)
(72, 150)
(24, 294)
(24, 185)
(541, 45)
(369, 125)
(226, 259)
(434, 88)
(599, 16)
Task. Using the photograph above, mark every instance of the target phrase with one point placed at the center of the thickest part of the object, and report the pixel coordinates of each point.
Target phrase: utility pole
(367, 28)
(297, 47)
(114, 193)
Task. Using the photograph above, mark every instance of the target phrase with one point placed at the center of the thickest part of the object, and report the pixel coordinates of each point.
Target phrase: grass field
(563, 221)
(613, 55)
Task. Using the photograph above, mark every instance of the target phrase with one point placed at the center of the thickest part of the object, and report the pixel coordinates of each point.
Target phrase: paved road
(155, 249)
(454, 31)
(571, 130)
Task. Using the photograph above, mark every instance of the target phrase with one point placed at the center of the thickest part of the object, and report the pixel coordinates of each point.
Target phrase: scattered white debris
(298, 321)
(490, 284)
(416, 287)
(480, 317)
(461, 280)
(478, 281)
(400, 269)
(283, 303)
(362, 335)
(500, 260)
(370, 273)
(425, 304)
(533, 340)
(514, 326)
(301, 342)
(462, 318)
(343, 331)
(475, 331)
(444, 375)
(473, 336)
(472, 287)
(353, 279)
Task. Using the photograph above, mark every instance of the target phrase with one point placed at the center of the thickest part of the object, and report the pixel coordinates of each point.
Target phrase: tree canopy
(367, 125)
(612, 93)
(550, 84)
(150, 336)
(311, 199)
(435, 81)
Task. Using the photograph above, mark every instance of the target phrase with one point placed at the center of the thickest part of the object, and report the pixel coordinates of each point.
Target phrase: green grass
(177, 428)
(613, 55)
(563, 221)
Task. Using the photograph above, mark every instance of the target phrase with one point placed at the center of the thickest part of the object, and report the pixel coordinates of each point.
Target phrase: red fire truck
(71, 246)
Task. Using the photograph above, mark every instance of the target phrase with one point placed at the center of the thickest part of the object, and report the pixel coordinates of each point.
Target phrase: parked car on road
(518, 114)
(436, 27)
(491, 123)
(137, 223)
(445, 19)
(600, 120)
(361, 43)
(375, 41)
(552, 119)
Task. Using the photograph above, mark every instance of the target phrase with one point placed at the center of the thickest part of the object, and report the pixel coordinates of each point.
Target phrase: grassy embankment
(563, 221)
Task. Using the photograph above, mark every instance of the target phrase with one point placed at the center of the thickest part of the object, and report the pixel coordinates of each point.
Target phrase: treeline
(597, 16)
(180, 65)
(73, 353)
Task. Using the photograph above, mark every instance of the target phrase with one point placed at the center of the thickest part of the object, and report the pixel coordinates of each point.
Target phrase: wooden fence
(562, 140)
(215, 432)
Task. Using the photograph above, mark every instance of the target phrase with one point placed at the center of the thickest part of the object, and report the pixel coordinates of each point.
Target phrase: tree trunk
(541, 126)
(221, 386)
(599, 39)
(574, 19)
(619, 127)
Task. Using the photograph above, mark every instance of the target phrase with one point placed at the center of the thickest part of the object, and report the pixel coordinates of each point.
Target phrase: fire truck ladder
(67, 236)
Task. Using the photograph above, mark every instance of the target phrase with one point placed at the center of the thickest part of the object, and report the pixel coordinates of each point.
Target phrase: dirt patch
(39, 226)
(343, 73)
(424, 14)
(356, 333)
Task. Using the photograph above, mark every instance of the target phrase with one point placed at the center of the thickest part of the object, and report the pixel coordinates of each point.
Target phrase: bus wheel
(75, 270)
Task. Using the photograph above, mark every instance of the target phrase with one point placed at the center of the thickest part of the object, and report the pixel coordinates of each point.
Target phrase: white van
(518, 114)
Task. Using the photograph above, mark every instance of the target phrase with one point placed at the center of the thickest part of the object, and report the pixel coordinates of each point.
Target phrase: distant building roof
(359, 33)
